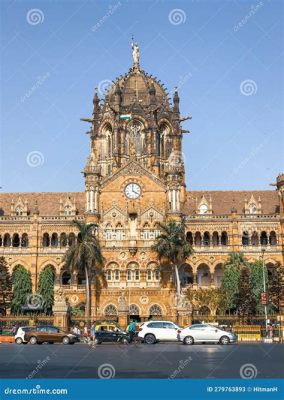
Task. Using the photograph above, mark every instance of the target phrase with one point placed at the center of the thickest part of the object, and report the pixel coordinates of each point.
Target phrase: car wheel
(33, 340)
(19, 340)
(65, 340)
(188, 340)
(149, 339)
(224, 340)
(123, 341)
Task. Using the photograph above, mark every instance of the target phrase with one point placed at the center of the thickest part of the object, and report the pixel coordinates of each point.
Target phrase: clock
(132, 191)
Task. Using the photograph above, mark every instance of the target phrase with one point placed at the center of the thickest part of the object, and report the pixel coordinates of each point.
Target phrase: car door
(212, 333)
(157, 329)
(169, 331)
(53, 334)
(197, 332)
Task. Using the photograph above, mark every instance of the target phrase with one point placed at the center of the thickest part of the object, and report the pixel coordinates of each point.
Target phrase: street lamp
(264, 288)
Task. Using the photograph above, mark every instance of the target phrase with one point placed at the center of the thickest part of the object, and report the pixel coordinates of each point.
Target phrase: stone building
(135, 178)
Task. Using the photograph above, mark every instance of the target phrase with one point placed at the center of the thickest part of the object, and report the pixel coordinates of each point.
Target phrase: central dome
(137, 86)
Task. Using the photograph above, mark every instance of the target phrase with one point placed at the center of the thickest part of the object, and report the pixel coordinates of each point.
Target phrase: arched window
(19, 211)
(203, 275)
(16, 240)
(119, 234)
(129, 274)
(245, 238)
(272, 238)
(65, 278)
(155, 310)
(108, 232)
(45, 240)
(149, 274)
(116, 274)
(206, 239)
(137, 274)
(54, 240)
(63, 239)
(215, 239)
(197, 239)
(189, 238)
(108, 275)
(134, 310)
(7, 240)
(71, 239)
(186, 275)
(68, 210)
(25, 240)
(218, 274)
(224, 239)
(110, 311)
(254, 239)
(157, 275)
(263, 238)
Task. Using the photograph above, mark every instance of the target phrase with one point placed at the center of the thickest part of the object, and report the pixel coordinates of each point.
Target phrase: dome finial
(135, 52)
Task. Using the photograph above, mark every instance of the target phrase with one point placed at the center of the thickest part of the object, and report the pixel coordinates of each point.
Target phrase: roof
(48, 203)
(223, 201)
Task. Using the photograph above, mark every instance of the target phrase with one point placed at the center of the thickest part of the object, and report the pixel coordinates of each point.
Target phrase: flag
(125, 117)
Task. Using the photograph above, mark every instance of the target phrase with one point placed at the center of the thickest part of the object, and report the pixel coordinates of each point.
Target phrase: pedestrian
(270, 331)
(93, 331)
(85, 334)
(131, 329)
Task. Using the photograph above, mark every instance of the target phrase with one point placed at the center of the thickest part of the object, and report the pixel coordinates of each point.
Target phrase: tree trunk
(88, 296)
(177, 280)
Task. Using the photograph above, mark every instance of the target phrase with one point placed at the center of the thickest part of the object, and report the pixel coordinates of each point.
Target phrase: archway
(203, 275)
(155, 311)
(134, 313)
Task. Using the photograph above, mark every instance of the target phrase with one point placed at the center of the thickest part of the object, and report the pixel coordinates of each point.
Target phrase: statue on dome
(135, 52)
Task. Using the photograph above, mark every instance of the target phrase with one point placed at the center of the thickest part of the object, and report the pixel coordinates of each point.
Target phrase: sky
(226, 57)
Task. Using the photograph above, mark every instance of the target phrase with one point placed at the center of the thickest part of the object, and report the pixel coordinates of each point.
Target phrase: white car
(20, 335)
(152, 331)
(200, 333)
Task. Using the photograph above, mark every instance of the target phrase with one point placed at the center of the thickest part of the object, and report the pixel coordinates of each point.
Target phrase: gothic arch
(110, 310)
(155, 310)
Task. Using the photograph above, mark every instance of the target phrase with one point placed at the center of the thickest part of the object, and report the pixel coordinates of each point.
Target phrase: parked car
(111, 335)
(50, 334)
(20, 334)
(201, 333)
(153, 331)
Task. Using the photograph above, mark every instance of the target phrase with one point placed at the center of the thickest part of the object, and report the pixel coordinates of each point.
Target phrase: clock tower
(134, 176)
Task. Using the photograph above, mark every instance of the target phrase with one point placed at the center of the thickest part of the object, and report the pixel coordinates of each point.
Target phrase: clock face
(132, 191)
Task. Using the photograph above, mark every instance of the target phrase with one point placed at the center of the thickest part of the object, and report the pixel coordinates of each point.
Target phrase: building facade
(134, 179)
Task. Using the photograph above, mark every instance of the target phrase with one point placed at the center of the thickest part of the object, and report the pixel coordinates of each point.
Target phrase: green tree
(276, 287)
(172, 247)
(213, 298)
(231, 277)
(246, 303)
(5, 286)
(256, 281)
(46, 289)
(22, 288)
(85, 256)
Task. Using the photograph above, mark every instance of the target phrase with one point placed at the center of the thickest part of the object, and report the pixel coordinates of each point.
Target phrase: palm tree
(172, 246)
(85, 256)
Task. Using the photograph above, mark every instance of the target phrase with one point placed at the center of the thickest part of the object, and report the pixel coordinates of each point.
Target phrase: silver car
(200, 333)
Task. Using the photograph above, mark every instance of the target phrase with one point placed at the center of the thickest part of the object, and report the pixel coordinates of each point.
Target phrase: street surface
(162, 360)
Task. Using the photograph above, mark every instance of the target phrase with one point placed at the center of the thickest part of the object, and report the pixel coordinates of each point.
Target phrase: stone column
(60, 310)
(122, 311)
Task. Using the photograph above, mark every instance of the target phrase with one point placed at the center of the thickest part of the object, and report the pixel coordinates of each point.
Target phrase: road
(162, 360)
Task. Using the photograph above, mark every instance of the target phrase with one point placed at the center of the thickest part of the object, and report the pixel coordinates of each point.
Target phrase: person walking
(93, 332)
(85, 334)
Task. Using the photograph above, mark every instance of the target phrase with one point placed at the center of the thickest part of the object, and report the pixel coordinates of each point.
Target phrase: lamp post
(264, 288)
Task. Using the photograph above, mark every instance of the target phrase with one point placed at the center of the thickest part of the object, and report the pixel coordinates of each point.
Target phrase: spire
(135, 53)
(176, 101)
(96, 102)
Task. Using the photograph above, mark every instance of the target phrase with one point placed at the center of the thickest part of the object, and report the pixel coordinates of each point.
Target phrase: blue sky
(225, 56)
